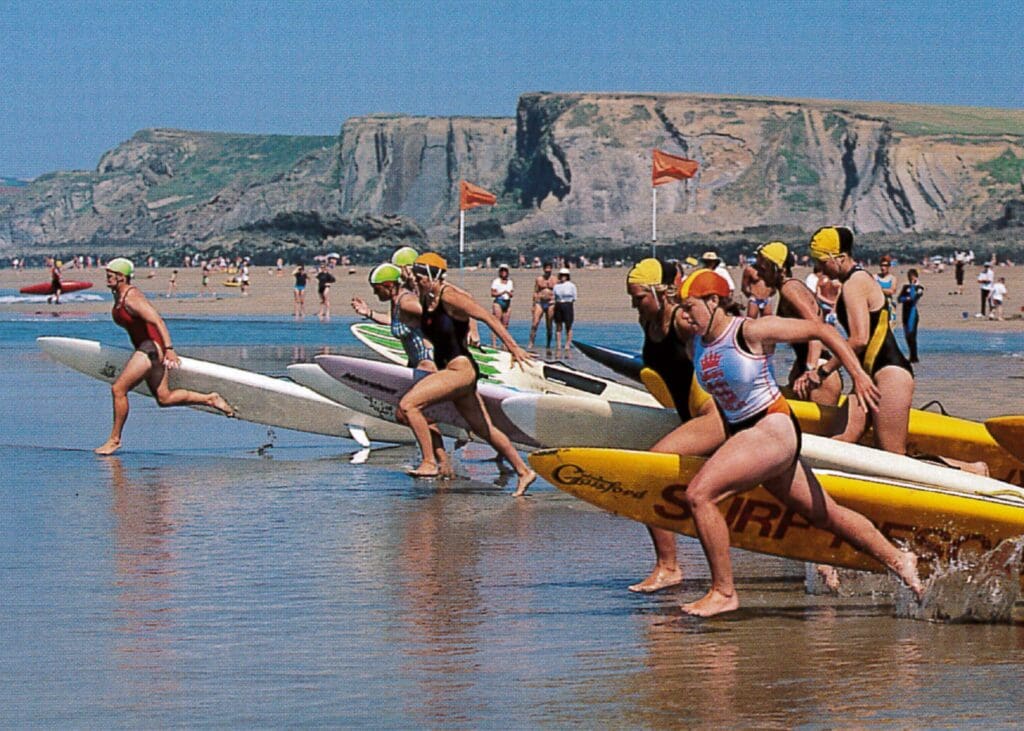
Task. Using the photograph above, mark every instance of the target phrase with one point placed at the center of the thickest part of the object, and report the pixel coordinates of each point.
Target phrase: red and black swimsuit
(139, 331)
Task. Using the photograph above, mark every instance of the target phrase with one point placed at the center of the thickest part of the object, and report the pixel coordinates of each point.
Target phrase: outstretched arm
(784, 330)
(460, 304)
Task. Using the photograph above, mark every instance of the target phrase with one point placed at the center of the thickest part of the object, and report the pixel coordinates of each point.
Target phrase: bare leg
(443, 385)
(568, 340)
(549, 315)
(892, 419)
(134, 371)
(156, 378)
(536, 314)
(698, 436)
(471, 407)
(798, 488)
(730, 471)
(666, 571)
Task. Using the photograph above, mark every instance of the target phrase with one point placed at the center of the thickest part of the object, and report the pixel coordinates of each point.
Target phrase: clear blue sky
(77, 78)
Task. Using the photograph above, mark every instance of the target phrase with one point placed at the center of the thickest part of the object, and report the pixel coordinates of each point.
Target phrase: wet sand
(601, 291)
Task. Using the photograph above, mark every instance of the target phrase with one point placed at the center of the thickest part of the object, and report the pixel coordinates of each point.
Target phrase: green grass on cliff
(222, 160)
(1005, 169)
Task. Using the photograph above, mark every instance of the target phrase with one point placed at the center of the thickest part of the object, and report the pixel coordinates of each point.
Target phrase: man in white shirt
(710, 260)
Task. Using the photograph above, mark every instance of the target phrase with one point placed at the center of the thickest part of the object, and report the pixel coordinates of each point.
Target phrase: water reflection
(147, 571)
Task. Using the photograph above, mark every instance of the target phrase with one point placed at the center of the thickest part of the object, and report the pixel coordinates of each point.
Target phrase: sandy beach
(602, 294)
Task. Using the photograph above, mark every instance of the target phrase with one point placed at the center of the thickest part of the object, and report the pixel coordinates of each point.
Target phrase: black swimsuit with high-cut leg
(670, 360)
(448, 335)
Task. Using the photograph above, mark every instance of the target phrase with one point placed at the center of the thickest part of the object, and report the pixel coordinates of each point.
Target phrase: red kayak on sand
(47, 287)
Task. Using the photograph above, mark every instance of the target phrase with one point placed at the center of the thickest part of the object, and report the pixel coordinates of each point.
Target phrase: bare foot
(906, 569)
(108, 447)
(659, 579)
(425, 469)
(830, 575)
(217, 401)
(524, 483)
(712, 603)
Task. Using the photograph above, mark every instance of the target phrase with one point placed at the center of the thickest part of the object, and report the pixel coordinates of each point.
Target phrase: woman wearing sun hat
(403, 318)
(774, 264)
(863, 311)
(731, 364)
(447, 311)
(154, 354)
(651, 286)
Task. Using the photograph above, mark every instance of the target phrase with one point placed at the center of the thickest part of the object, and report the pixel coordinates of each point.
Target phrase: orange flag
(667, 168)
(471, 196)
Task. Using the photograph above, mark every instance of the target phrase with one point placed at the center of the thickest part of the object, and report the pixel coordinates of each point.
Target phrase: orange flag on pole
(667, 168)
(471, 196)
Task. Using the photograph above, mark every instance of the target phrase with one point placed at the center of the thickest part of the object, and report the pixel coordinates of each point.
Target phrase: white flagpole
(462, 237)
(654, 219)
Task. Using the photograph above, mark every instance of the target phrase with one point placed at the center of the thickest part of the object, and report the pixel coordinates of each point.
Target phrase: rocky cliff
(571, 164)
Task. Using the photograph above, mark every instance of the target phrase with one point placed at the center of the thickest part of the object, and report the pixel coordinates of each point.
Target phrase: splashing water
(974, 589)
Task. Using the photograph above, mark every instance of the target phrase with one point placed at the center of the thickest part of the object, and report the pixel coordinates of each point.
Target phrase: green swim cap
(404, 257)
(121, 266)
(383, 273)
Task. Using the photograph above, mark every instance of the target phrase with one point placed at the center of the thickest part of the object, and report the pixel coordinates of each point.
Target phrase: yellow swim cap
(651, 272)
(703, 282)
(831, 241)
(776, 252)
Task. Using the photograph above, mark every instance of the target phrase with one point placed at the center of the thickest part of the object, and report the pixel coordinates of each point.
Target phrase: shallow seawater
(192, 580)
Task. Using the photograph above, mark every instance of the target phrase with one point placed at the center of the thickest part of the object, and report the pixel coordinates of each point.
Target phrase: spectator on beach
(172, 283)
(324, 281)
(502, 290)
(565, 310)
(299, 293)
(985, 280)
(958, 272)
(243, 277)
(759, 294)
(55, 283)
(996, 299)
(887, 281)
(543, 297)
(710, 260)
(909, 296)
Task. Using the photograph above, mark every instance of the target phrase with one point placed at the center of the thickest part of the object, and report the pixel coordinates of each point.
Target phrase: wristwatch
(822, 373)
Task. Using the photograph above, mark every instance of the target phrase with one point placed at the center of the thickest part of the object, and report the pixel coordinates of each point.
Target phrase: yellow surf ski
(651, 488)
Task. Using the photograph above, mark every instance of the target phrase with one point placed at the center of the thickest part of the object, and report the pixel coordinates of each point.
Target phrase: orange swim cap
(702, 283)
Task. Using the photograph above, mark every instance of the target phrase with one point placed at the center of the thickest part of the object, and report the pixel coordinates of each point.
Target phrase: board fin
(358, 434)
(1008, 431)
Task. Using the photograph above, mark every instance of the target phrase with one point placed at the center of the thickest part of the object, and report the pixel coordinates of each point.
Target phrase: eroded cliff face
(583, 165)
(575, 164)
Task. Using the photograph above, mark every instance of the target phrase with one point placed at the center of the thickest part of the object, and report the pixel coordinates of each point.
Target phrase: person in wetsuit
(447, 311)
(863, 312)
(651, 286)
(403, 319)
(153, 358)
(909, 296)
(762, 447)
(774, 263)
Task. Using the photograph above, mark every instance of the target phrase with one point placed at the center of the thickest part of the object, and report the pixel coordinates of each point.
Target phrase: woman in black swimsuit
(864, 314)
(447, 311)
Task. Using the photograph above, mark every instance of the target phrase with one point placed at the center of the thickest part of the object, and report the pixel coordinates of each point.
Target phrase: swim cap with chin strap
(121, 266)
(831, 241)
(404, 257)
(651, 272)
(431, 265)
(703, 283)
(383, 273)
